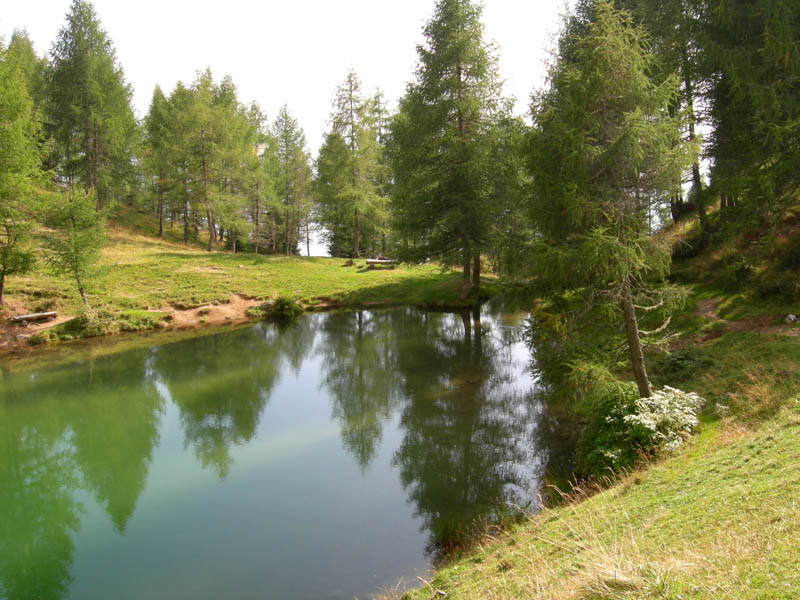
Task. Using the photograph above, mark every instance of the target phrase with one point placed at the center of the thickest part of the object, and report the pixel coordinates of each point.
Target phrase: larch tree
(677, 33)
(440, 143)
(605, 140)
(34, 68)
(293, 182)
(89, 111)
(156, 152)
(753, 65)
(79, 234)
(347, 183)
(19, 170)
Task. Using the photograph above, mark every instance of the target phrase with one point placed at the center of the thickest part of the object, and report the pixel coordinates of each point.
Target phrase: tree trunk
(467, 279)
(476, 272)
(186, 223)
(160, 213)
(81, 291)
(212, 235)
(308, 240)
(255, 221)
(356, 232)
(95, 152)
(634, 343)
(697, 183)
(2, 285)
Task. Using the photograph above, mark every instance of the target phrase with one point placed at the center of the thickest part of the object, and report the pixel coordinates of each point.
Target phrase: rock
(790, 319)
(267, 306)
(349, 263)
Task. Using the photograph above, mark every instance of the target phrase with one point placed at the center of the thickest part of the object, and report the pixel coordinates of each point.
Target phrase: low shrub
(680, 365)
(623, 428)
(783, 286)
(282, 310)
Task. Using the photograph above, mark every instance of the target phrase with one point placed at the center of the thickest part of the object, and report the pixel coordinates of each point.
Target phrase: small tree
(80, 232)
(19, 169)
(604, 143)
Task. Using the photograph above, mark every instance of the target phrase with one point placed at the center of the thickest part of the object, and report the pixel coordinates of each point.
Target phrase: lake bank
(145, 284)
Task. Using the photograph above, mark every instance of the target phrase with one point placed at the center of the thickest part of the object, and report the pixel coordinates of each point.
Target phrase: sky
(294, 52)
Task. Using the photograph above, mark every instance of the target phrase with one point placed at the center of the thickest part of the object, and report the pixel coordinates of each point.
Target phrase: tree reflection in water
(94, 429)
(456, 387)
(467, 411)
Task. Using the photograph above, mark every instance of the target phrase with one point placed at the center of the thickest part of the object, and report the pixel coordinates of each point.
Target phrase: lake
(330, 458)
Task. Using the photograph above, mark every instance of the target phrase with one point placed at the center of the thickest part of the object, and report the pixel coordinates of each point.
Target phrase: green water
(327, 459)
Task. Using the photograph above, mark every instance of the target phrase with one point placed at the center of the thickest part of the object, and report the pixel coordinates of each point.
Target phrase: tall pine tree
(441, 142)
(89, 108)
(605, 142)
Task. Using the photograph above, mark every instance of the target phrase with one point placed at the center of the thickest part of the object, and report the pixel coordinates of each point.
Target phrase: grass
(139, 273)
(720, 520)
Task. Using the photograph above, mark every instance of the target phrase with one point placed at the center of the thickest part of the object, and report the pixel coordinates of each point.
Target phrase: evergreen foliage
(292, 184)
(89, 113)
(603, 145)
(79, 235)
(441, 142)
(350, 181)
(19, 169)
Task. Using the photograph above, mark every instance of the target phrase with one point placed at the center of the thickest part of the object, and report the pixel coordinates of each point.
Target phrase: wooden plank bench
(34, 317)
(381, 261)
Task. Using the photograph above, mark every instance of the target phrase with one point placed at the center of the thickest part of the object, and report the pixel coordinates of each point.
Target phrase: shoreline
(15, 345)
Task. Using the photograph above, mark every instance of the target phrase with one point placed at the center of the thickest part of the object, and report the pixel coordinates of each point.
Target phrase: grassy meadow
(140, 279)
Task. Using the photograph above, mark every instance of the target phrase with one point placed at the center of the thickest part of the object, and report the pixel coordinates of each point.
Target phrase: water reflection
(221, 384)
(447, 396)
(469, 425)
(91, 428)
(360, 374)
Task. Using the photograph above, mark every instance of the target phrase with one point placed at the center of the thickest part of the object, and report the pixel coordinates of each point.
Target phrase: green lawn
(720, 520)
(141, 272)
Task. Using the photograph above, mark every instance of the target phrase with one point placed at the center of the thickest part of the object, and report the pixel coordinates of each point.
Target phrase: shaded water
(325, 460)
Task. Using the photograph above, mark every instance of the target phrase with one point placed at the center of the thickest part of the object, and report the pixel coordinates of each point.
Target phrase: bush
(282, 310)
(790, 257)
(779, 286)
(624, 428)
(680, 365)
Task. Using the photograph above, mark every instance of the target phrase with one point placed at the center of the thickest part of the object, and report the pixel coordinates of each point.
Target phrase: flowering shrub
(667, 417)
(621, 427)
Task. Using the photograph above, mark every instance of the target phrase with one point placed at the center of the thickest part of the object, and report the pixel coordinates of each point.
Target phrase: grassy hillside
(142, 279)
(719, 519)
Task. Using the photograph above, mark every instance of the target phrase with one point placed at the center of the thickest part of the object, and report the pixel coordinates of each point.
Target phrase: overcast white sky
(295, 52)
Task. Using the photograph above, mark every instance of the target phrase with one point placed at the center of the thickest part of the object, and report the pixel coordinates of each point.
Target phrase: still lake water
(328, 459)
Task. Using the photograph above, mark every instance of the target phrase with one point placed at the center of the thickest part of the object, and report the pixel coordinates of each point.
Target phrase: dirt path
(234, 311)
(761, 325)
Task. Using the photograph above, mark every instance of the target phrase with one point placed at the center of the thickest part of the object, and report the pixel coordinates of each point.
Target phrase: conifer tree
(89, 108)
(348, 183)
(604, 142)
(293, 182)
(156, 152)
(753, 65)
(19, 169)
(441, 142)
(80, 233)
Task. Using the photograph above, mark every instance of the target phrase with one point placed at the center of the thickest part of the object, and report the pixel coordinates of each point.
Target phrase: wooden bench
(381, 261)
(34, 317)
